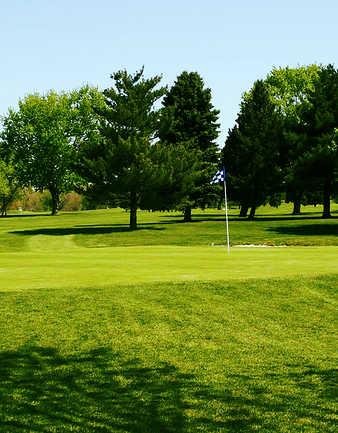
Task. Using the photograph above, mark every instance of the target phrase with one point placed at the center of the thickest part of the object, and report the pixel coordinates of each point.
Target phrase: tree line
(284, 142)
(141, 145)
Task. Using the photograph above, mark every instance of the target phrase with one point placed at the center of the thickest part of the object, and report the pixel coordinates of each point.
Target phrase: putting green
(50, 265)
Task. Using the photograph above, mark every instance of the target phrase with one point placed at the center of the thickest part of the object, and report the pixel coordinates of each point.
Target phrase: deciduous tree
(43, 136)
(9, 185)
(290, 90)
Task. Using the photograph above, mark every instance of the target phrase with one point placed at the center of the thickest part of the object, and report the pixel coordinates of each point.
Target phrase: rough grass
(100, 337)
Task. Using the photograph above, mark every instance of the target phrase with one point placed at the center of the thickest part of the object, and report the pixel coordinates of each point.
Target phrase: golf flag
(219, 176)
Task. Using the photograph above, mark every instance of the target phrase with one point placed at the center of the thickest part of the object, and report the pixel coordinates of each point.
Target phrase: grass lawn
(100, 267)
(106, 228)
(106, 330)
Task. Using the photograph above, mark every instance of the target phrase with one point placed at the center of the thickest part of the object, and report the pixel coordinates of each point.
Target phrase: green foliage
(190, 119)
(307, 98)
(126, 165)
(43, 136)
(251, 151)
(290, 88)
(193, 117)
(173, 175)
(316, 135)
(120, 149)
(9, 185)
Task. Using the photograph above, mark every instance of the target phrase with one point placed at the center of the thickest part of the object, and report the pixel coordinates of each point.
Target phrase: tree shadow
(303, 217)
(307, 230)
(173, 219)
(301, 398)
(43, 390)
(25, 215)
(84, 230)
(278, 217)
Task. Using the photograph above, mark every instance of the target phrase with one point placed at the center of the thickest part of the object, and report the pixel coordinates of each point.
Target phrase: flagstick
(226, 215)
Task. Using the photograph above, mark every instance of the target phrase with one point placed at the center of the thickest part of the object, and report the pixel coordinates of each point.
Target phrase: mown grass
(107, 330)
(245, 356)
(110, 228)
(57, 267)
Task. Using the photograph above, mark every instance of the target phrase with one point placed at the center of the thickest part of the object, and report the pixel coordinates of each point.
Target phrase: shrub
(72, 201)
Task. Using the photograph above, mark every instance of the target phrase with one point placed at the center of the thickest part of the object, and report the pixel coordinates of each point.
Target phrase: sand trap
(250, 246)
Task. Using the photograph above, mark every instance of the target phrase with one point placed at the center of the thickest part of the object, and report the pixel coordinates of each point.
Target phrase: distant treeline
(140, 145)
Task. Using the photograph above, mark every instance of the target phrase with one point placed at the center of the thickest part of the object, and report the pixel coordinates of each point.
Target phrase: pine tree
(122, 162)
(251, 151)
(290, 90)
(192, 122)
(318, 137)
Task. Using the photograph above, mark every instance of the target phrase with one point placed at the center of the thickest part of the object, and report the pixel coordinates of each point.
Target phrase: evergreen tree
(290, 90)
(126, 164)
(317, 137)
(251, 151)
(236, 183)
(191, 120)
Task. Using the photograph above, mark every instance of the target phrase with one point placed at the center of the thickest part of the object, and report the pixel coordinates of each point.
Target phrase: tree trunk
(244, 210)
(133, 212)
(5, 205)
(296, 207)
(326, 200)
(3, 209)
(252, 213)
(55, 200)
(187, 214)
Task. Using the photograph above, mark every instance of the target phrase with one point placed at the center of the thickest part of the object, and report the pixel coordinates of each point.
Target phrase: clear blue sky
(63, 44)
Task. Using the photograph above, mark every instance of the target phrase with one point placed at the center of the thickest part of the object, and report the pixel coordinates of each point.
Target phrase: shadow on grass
(306, 230)
(278, 217)
(42, 390)
(25, 215)
(84, 230)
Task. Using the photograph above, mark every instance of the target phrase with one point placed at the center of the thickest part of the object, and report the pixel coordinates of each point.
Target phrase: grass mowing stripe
(83, 267)
(82, 350)
(108, 228)
(236, 356)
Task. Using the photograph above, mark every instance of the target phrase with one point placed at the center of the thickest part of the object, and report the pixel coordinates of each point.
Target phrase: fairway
(96, 249)
(159, 330)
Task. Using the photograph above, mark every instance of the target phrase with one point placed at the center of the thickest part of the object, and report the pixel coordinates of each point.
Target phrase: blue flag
(219, 176)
